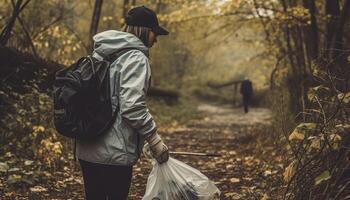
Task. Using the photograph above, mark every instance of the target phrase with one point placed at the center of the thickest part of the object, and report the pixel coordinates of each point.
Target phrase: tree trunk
(158, 6)
(346, 28)
(125, 7)
(337, 39)
(333, 11)
(6, 31)
(311, 32)
(94, 21)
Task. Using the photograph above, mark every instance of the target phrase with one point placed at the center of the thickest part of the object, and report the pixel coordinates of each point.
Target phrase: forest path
(249, 168)
(248, 165)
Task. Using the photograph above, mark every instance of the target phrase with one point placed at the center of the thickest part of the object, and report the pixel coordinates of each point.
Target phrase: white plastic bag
(174, 180)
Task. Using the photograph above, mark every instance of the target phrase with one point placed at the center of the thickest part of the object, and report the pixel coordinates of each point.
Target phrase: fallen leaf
(14, 179)
(15, 169)
(296, 135)
(232, 153)
(38, 188)
(247, 179)
(265, 197)
(8, 155)
(228, 167)
(289, 171)
(267, 172)
(3, 167)
(28, 162)
(345, 97)
(315, 142)
(235, 180)
(232, 195)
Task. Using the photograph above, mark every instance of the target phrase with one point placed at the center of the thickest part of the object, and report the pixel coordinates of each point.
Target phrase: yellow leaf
(265, 197)
(296, 135)
(344, 97)
(315, 143)
(308, 126)
(335, 140)
(299, 131)
(289, 171)
(322, 177)
(38, 188)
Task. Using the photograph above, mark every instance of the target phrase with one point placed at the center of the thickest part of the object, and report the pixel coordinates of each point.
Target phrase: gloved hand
(158, 149)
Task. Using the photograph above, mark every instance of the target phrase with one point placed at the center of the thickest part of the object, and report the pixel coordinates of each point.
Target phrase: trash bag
(174, 180)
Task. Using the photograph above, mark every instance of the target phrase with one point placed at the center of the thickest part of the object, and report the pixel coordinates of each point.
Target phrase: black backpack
(82, 103)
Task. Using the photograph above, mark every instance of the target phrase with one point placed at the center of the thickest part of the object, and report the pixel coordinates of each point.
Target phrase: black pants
(102, 182)
(246, 102)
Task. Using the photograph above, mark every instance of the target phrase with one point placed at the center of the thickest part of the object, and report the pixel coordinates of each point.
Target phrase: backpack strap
(110, 58)
(115, 55)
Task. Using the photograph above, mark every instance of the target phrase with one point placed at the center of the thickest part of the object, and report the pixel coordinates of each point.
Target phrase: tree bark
(337, 39)
(311, 32)
(159, 6)
(6, 31)
(274, 71)
(346, 37)
(94, 21)
(333, 11)
(125, 7)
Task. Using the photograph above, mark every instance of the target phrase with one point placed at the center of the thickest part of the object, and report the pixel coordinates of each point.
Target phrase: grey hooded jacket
(129, 80)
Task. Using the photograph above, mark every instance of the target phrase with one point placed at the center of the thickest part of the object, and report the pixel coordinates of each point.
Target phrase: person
(247, 92)
(107, 161)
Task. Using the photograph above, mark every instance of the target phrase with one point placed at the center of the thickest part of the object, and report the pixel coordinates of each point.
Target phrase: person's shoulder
(138, 55)
(139, 52)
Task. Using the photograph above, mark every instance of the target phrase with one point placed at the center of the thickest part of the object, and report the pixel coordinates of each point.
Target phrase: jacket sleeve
(134, 83)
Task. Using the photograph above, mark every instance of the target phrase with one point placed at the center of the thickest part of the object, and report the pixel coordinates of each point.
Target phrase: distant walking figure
(247, 92)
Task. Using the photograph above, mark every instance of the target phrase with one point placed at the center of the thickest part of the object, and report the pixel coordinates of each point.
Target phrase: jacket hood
(110, 41)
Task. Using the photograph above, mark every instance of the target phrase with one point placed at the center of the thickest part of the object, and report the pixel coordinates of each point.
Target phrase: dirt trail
(247, 167)
(225, 115)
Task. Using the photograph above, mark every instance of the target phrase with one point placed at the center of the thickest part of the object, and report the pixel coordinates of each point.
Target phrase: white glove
(158, 149)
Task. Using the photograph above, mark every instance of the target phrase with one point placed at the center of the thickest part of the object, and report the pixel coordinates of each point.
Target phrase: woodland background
(296, 52)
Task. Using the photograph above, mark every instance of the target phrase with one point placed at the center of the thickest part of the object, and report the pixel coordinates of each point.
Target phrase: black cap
(143, 16)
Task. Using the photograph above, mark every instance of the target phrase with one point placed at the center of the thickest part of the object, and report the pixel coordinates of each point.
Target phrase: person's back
(247, 92)
(109, 149)
(107, 161)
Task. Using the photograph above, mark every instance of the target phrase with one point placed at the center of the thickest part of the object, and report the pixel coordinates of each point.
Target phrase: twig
(194, 154)
(323, 112)
(342, 190)
(28, 37)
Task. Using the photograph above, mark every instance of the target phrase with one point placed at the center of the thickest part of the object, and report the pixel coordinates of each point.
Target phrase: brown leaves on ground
(249, 168)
